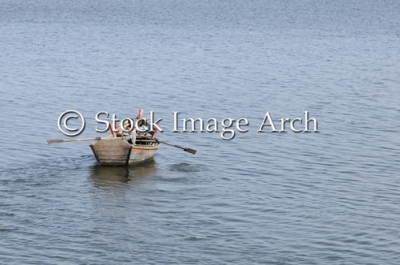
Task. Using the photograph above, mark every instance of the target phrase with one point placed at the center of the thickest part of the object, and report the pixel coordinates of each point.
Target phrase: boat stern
(112, 152)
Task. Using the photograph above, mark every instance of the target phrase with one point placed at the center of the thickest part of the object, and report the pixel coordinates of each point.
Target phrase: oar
(72, 140)
(192, 151)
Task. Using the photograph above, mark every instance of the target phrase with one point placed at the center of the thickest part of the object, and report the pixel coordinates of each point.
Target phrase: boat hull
(118, 152)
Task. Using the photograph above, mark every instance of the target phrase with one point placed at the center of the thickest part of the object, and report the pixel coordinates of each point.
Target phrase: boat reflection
(108, 177)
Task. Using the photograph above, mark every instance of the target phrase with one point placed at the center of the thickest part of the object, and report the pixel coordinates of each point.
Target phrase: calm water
(262, 198)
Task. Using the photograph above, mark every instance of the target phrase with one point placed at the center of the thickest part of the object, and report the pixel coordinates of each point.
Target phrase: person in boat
(143, 125)
(144, 129)
(129, 129)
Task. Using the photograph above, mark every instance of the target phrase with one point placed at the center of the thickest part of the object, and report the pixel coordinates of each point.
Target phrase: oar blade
(55, 141)
(192, 151)
(72, 140)
(189, 150)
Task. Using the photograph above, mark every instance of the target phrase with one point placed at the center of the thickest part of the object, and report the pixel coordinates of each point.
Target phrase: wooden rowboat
(120, 150)
(116, 151)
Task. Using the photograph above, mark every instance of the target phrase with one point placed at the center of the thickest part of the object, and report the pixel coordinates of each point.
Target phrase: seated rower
(129, 129)
(129, 132)
(143, 128)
